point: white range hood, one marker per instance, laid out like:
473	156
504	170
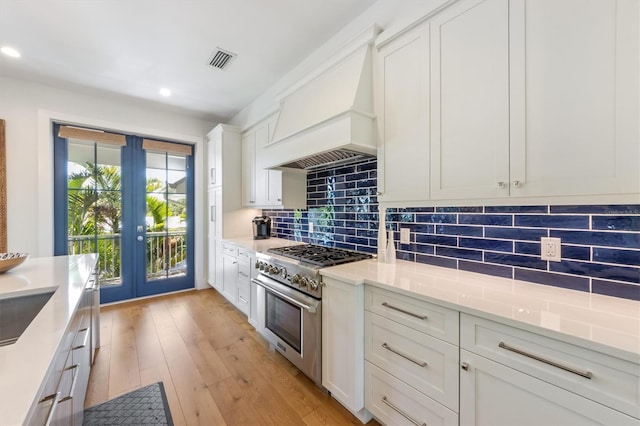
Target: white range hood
328	119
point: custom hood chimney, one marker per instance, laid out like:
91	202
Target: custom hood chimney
328	118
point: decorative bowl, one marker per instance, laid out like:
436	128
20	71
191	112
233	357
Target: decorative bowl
11	260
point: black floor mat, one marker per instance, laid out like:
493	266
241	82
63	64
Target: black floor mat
145	406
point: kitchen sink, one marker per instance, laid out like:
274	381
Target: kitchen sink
16	313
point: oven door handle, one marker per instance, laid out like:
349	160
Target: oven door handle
310	309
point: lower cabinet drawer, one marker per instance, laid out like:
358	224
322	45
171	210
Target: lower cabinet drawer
243	255
244	297
600	377
494	394
244	272
229	249
393	402
425	317
428	364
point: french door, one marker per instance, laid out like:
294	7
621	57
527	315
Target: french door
130	200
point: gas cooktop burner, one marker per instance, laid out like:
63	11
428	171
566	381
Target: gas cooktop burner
319	255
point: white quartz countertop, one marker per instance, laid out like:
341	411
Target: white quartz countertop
24	364
261	246
607	324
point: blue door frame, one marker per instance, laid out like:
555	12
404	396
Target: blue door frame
133	266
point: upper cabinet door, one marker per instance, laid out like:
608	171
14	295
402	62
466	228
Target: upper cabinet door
402	107
214	159
249	169
273	177
212	169
262	174
470	101
574	97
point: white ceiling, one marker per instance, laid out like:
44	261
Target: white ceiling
135	47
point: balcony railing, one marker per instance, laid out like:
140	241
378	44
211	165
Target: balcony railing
166	254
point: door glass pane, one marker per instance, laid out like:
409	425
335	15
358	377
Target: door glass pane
166	219
94	205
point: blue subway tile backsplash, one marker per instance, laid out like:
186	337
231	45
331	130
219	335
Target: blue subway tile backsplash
600	243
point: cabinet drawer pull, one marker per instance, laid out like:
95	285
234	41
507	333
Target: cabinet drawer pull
395	308
397	352
54	398
84	341
402	413
585	374
73	384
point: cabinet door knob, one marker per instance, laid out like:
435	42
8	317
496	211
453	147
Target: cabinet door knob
464	366
501	185
516	183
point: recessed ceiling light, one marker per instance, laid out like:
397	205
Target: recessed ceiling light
165	92
10	51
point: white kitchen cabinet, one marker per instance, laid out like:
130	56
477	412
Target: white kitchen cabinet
249	193
343	345
268	188
393	402
411	349
215	141
236	265
574	97
513	376
470	100
68	375
402	108
226	218
494	394
423	362
243	281
212	241
611	381
534	98
230	278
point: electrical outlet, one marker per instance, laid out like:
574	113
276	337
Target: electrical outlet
550	249
404	235
310	227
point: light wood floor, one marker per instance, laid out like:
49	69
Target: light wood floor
216	369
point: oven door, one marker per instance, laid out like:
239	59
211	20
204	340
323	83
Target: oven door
291	322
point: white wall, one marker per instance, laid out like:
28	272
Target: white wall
390	15
29	108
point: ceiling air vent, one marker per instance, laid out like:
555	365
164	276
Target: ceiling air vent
221	58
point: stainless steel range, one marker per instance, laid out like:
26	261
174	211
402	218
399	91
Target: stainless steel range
289	303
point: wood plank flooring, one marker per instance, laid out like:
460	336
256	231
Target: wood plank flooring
216	369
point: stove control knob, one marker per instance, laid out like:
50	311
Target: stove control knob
283	273
313	285
304	282
273	269
295	280
260	265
